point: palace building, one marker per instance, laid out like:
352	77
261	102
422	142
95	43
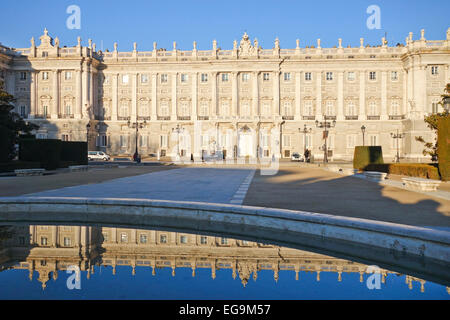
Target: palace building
247	102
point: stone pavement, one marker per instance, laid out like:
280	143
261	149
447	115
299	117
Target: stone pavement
183	184
316	190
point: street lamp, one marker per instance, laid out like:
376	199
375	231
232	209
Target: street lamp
178	130
446	104
305	131
136	125
363	130
325	125
88	128
397	136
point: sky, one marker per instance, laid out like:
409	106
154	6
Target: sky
146	21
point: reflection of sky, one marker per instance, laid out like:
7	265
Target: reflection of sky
103	284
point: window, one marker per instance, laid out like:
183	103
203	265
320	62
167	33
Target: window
203	240
44	110
308	76
164	109
329	110
45	75
67	242
23	110
372	75
245	109
183	239
329	76
394	108
143	139
434	70
44	241
394	76
373	108
125	79
123	111
68	109
434	107
204	77
204	108
351	76
68	75
223	241
164	78
351	108
44	54
351	141
266	76
224	77
286	140
245	77
123	141
287	108
287	76
23	76
184	109
143	238
144	78
308	141
373	140
266	109
65	137
184	77
163	141
308	108
123	237
102	140
225	109
163	238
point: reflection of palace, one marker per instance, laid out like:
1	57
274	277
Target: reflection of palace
49	249
243	102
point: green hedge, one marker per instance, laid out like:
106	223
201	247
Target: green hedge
364	156
444	148
75	152
13	165
5	144
419	170
45	151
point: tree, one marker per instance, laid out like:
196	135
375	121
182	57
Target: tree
11	126
432	123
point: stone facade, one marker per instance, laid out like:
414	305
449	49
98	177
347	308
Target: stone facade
245	102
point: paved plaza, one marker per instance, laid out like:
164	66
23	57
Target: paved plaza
293	187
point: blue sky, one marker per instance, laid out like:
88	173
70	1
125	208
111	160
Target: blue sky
145	21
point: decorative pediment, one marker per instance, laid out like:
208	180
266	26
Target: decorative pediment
46	40
246	48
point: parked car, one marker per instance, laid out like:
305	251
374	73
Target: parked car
297	157
98	155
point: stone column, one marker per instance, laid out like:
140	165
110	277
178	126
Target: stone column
234	94
85	98
174	98
276	92
33	89
362	95
298	103
318	95
54	236
154	96
214	94
255	107
91	90
194	96
55	106
134	110
340	96
384	111
405	91
115	102
79	97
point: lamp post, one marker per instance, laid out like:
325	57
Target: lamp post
136	125
325	125
305	131
363	130
397	136
178	130
88	128
446	103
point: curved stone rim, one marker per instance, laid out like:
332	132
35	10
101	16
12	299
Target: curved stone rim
414	240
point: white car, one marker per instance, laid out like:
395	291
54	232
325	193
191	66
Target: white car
297	157
98	155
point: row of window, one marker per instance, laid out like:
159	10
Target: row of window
163	238
45	75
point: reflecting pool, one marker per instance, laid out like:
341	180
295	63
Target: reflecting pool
95	262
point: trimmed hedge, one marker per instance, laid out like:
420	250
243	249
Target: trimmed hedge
45	151
419	170
364	156
75	152
14	165
443	150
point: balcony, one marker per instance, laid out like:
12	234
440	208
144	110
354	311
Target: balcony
163	118
42	116
146	118
351	117
202	117
288	117
65	116
373	117
329	117
121	118
184	118
309	117
397	117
